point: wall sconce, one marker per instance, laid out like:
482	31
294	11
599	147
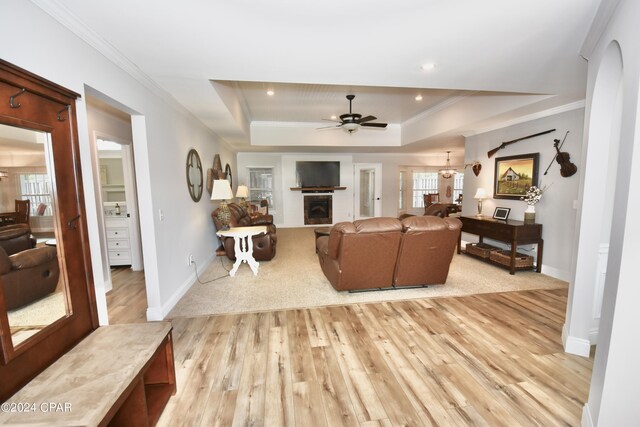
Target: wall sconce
222	191
480	195
4	174
242	193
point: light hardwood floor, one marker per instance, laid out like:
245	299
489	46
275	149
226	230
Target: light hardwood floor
127	300
491	359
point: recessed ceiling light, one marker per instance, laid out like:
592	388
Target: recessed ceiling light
418	97
334	117
428	67
270	92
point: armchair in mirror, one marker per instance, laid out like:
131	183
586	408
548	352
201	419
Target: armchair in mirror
47	300
33	281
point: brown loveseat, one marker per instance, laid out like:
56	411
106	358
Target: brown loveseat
28	275
386	252
264	244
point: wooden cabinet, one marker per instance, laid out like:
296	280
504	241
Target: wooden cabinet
118	242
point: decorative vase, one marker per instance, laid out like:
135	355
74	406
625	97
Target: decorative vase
530	215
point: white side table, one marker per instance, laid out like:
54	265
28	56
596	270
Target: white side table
243	246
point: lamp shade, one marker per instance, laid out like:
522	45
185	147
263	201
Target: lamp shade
242	191
221	190
480	194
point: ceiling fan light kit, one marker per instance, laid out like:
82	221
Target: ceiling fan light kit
351	122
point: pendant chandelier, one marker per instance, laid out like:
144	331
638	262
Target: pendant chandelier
447	171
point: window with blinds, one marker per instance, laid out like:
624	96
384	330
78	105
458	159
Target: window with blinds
423	183
261	185
36	188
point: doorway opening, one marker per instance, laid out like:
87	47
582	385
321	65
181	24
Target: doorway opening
367	183
124	286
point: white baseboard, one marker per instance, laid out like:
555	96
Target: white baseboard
587	419
556	273
159	313
575	345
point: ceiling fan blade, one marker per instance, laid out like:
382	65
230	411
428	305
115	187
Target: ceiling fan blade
374	125
330	127
367	119
332	120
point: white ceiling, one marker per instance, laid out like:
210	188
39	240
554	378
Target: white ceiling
497	61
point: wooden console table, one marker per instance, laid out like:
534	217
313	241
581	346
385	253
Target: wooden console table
118	375
511	231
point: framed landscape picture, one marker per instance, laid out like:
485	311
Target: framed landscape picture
514	175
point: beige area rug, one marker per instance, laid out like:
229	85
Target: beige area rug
41	312
294	279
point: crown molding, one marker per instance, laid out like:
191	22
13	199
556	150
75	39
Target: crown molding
598	26
439	107
67	19
530	117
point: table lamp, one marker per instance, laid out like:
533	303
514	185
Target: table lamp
242	193
222	191
480	195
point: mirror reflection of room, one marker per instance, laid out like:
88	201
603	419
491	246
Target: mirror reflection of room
33	283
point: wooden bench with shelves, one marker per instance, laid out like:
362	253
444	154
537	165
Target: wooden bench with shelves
118	375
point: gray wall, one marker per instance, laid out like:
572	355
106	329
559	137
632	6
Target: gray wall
556	211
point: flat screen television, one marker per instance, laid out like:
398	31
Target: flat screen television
318	174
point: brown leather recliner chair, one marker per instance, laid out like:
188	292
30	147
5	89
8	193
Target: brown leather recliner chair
426	250
435	209
361	254
16	238
264	244
28	275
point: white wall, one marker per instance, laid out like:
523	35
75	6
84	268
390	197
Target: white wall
165	134
289	210
614	71
555	211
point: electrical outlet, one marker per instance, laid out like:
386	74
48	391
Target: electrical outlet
190	259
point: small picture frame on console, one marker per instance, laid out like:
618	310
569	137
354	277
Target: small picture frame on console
501	214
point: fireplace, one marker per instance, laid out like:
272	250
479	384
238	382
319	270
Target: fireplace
318	210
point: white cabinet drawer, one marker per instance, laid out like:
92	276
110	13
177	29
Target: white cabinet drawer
118	244
117	233
116	223
119	257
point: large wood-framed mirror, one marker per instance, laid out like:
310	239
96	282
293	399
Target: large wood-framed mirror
47	302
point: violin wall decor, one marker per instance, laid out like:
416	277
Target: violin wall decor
567	168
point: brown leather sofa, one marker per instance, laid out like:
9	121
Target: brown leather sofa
28	275
381	253
264	244
16	238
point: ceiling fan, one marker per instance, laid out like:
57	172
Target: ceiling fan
351	122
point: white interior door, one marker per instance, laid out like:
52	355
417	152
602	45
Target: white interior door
367	179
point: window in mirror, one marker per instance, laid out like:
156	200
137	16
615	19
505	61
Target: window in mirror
33	279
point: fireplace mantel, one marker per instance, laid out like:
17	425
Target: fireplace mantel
316	188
